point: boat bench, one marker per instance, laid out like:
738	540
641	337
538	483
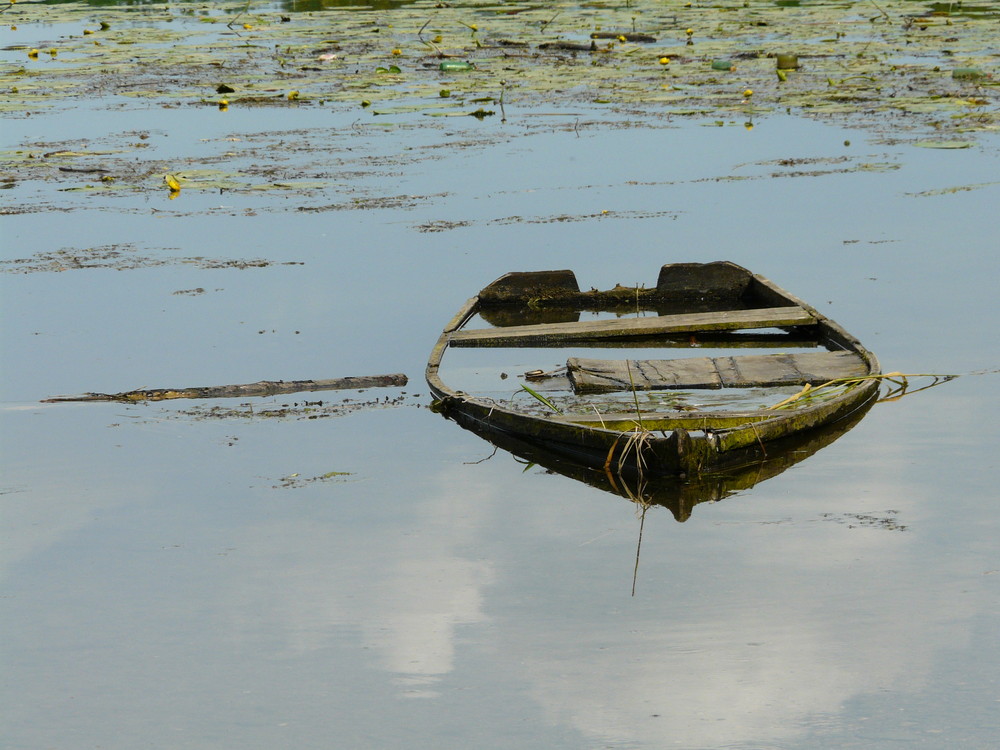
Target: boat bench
630	327
760	370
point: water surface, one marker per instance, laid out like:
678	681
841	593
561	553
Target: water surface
174	580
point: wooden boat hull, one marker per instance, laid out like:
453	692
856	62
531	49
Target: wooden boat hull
740	471
690	299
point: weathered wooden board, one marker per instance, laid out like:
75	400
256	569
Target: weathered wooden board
760	370
616	328
799	339
243	390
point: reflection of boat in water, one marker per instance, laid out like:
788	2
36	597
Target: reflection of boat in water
684	417
679	495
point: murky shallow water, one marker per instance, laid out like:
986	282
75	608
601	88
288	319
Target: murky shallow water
173	580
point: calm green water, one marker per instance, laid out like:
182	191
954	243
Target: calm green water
171	580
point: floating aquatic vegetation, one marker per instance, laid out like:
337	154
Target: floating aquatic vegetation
118	171
295	481
919	76
944	144
833	60
919	79
950	190
442	226
119	258
291	411
885	520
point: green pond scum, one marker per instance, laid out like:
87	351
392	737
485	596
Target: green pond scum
910	71
901	65
121	257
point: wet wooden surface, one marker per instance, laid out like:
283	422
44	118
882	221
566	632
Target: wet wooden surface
260	388
761	370
613	328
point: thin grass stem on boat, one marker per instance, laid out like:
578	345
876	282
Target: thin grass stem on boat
635	396
636	443
897	392
540	398
830	388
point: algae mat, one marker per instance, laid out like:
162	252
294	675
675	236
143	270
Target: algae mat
902	67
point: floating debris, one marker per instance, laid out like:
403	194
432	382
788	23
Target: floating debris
550	57
260	388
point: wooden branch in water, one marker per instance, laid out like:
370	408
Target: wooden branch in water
261	388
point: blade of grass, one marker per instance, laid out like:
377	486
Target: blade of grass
540	398
635	396
899	379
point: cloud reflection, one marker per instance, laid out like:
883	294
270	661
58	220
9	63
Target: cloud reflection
755	622
755	630
401	591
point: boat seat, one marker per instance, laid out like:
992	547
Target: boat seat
632	327
759	370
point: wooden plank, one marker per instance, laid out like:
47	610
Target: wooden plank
616	328
789	369
710	340
760	370
606	375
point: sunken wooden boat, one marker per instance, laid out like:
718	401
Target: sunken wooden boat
677	494
746	350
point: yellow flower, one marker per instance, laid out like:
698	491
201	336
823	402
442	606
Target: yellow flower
689	32
293	95
33	54
664	60
172	183
748	93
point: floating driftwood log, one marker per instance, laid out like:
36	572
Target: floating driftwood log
260	388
